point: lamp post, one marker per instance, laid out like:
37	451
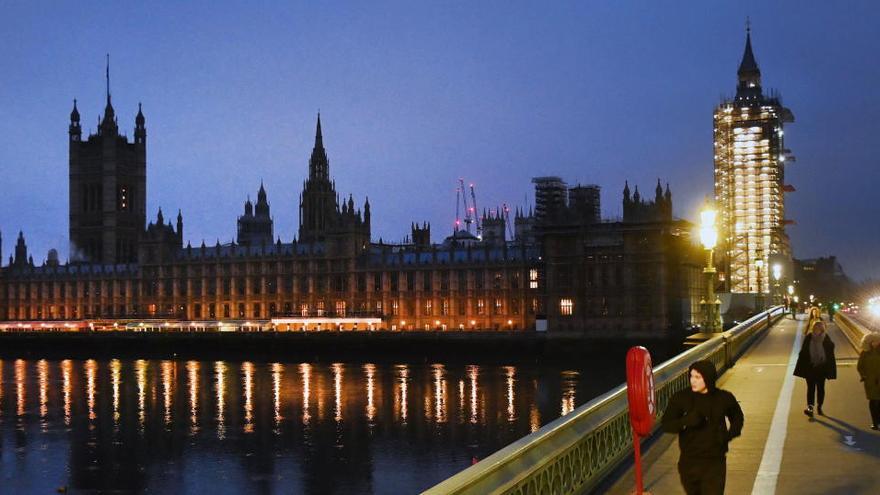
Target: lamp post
709	237
791	300
777	274
759	294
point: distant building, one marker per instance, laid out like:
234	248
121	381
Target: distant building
638	276
750	158
822	277
551	198
563	265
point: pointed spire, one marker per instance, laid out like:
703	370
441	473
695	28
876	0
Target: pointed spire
108	124
74	115
319	139
108	79
748	75
318	164
139	119
748	63
160	219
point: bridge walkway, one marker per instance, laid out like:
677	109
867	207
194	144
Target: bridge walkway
782	451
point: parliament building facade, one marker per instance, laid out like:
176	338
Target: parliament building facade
565	269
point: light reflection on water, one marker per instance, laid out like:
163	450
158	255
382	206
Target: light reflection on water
248	426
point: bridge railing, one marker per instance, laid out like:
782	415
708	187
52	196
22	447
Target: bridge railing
576	452
854	329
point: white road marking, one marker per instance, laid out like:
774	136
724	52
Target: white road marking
768	472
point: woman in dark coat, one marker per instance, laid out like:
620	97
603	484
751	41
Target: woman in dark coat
869	371
816	364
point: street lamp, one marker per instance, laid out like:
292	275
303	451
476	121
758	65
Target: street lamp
759	295
709	237
777	274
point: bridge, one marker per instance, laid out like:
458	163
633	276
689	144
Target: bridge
781	451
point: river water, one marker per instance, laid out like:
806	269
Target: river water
176	426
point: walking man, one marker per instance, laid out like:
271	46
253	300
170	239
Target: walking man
705	418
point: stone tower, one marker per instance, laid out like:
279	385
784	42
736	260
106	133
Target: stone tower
108	189
750	158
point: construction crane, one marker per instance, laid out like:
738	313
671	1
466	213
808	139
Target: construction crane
470	208
506	210
474	207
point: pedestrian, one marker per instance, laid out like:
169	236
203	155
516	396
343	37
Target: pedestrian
869	371
816	364
705	418
813	315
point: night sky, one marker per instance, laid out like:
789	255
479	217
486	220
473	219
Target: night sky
412	97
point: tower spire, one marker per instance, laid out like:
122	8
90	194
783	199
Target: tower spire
319	139
108	124
748	74
318	163
108	79
748	63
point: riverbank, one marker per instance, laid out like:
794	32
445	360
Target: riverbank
318	346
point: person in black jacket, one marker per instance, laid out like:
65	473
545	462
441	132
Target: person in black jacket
816	364
705	418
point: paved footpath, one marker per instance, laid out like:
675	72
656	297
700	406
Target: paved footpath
782	451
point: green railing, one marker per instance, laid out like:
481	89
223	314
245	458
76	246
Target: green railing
854	330
576	452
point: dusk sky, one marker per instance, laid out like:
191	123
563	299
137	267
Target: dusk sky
413	96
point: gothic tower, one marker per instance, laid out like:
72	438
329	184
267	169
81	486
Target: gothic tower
318	202
750	158
108	189
255	227
321	215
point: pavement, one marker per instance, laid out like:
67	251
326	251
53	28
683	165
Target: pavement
781	450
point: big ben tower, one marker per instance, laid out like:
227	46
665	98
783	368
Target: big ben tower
750	158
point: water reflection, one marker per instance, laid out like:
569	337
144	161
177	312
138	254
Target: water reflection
192	368
43	373
220	372
115	379
247	371
91	373
20	389
401	396
370	372
277	369
473	373
511	411
337	392
439	393
269	425
65	376
569	391
167	392
305	371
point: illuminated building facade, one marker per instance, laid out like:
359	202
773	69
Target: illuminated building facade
334	277
750	158
638	275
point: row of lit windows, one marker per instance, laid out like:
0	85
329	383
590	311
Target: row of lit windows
463	307
258	285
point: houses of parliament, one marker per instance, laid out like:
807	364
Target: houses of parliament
565	269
